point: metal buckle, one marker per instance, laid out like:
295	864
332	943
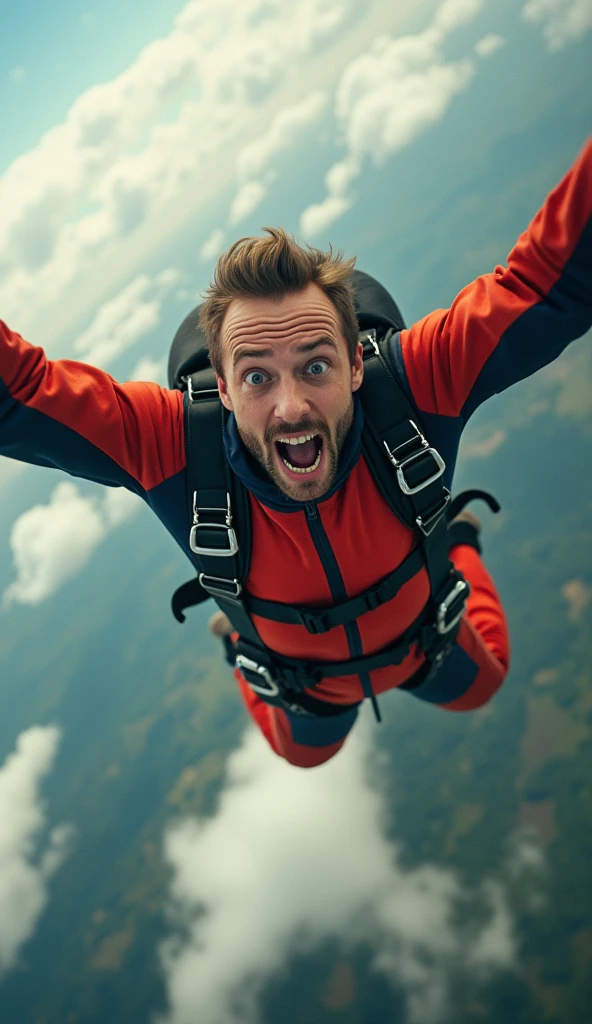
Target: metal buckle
400	464
428	525
247	665
369	343
194	396
213	589
227	526
442	624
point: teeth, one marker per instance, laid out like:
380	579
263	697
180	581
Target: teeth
296	440
308	469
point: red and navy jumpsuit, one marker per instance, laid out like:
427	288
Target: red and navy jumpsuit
499	329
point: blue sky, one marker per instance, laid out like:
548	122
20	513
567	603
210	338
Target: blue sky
50	53
140	139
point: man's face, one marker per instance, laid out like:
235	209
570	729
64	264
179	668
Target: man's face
288	379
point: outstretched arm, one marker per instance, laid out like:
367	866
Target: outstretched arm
505	325
75	417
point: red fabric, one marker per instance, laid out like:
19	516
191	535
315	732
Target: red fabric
138	425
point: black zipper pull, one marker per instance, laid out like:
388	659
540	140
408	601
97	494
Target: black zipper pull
311	511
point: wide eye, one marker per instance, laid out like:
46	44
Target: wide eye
255	378
317	368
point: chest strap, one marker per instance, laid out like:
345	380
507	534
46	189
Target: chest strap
321	620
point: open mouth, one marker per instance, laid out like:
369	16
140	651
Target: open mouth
301	454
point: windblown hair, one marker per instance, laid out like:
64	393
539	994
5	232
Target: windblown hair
270	267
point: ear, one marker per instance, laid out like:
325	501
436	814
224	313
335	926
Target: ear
224	396
357	370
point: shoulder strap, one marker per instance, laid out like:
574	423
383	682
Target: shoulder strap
220	536
407	470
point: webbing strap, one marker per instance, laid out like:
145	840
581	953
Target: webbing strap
220	533
297	675
320	620
407	470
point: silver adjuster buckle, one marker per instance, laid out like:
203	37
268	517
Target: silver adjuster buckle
226	527
428	525
247	665
231	588
400	464
459	593
194	396
369	342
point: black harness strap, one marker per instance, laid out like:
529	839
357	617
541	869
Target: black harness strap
321	620
221	523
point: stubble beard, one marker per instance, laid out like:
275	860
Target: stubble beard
333	441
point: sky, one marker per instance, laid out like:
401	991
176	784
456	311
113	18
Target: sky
138	140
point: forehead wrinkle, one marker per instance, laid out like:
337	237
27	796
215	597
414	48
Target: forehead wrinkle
312	311
285	326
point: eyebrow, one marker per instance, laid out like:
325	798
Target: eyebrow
267	353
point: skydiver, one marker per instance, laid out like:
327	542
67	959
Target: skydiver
285	346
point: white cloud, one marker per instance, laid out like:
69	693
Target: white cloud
319	216
106	173
254	164
212	247
256	157
562	21
483	447
123	320
489	44
52	543
151	369
247	199
286	863
386	98
25	869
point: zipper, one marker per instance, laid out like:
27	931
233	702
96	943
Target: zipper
338	592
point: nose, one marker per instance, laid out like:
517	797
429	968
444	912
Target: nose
291	403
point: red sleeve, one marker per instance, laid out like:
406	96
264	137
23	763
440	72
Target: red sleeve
507	324
78	418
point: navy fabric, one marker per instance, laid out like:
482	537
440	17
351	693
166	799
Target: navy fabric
321	731
452	680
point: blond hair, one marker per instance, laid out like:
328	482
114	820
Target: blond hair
270	267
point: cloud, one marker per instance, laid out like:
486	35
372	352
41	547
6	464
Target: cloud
578	596
562	21
286	125
105	173
319	216
386	98
123	320
247	199
286	863
151	369
483	448
52	543
25	868
489	44
255	161
212	247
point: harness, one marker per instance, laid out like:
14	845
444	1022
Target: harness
408	472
